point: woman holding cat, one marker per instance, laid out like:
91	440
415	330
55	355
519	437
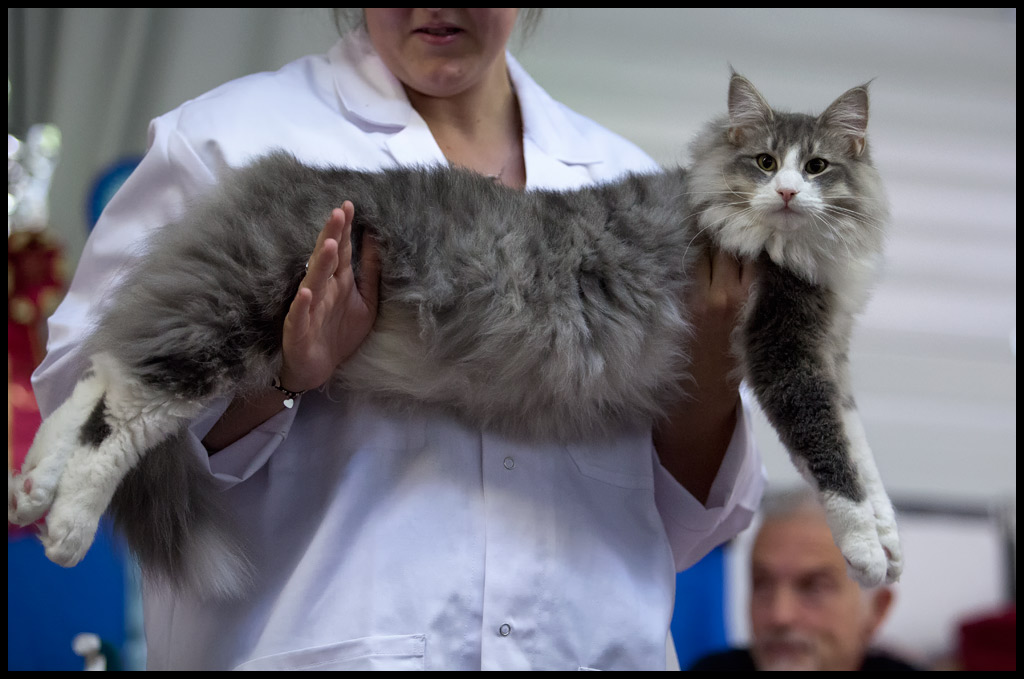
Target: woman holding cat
407	540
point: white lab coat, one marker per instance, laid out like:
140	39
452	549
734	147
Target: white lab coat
404	542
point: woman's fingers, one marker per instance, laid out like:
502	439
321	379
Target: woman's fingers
722	282
330	315
345	214
323	263
369	271
332	255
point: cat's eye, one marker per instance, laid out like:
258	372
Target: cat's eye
766	162
816	165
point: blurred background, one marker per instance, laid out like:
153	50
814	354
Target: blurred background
934	357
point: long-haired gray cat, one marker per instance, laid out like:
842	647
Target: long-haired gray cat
539	314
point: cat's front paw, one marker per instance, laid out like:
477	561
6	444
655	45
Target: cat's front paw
869	542
888	537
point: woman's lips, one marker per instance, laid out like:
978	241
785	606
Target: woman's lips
441	34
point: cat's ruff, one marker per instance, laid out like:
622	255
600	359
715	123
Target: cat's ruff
542	315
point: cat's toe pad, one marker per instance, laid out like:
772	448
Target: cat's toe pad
889	539
869	542
28	499
866	562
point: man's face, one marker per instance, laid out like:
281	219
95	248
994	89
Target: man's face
806	613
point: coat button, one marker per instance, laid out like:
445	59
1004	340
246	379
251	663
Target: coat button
505	630
509	463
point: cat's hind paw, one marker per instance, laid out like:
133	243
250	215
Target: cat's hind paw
27	500
67	534
32	491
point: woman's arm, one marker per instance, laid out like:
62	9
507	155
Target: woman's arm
692	440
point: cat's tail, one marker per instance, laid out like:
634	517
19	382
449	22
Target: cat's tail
170	513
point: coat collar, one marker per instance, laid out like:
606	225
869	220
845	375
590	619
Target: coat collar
369	93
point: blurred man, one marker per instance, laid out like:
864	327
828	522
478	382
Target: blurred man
805	611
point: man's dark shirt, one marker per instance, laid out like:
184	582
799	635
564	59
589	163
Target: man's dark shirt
741	660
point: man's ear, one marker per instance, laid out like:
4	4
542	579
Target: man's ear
879	602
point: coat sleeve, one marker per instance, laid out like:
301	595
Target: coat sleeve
694	529
169	177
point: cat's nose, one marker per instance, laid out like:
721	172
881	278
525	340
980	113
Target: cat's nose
787	194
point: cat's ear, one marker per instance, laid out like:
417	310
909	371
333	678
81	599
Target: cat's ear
849	115
747	108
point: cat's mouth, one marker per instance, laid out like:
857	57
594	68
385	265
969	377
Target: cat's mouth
788	219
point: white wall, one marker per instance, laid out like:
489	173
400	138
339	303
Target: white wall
934	358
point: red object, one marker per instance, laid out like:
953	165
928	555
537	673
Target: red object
35	285
989	642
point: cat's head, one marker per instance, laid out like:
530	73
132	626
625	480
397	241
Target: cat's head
799	187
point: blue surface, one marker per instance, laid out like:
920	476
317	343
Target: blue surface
106	185
48	605
698	623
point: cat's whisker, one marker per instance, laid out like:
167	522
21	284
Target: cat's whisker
856	213
705	209
729	216
727	185
859	198
695	236
862	218
834	234
705	192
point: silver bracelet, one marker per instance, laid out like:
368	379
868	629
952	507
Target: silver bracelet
291	395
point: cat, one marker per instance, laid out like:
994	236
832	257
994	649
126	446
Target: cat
538	314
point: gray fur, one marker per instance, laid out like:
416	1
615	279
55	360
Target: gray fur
786	338
168	509
539	314
562	297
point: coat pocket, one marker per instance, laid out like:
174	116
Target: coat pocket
624	461
399	652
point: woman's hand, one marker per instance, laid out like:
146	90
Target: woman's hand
721	290
332	312
693	439
331	315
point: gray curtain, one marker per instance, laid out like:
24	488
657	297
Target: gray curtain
101	74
